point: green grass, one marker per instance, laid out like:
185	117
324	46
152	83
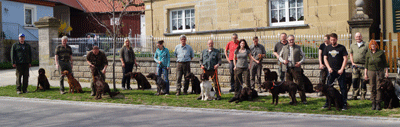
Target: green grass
146	97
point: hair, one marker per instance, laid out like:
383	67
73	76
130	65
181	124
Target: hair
245	45
333	35
284	34
64	38
234	34
291	36
182	36
373	42
328	36
160	42
96	47
255	37
126	39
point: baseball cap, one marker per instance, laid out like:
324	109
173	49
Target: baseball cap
21	35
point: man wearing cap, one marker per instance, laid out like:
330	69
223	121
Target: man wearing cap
98	59
21	58
63	60
184	54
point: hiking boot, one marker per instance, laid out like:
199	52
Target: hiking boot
62	92
18	92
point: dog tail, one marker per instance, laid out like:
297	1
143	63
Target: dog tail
112	94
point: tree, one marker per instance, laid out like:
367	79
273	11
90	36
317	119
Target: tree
113	7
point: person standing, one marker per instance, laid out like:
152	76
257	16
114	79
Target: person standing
184	54
98	59
357	58
277	50
335	57
162	59
63	60
127	57
242	53
210	60
292	56
21	58
375	65
231	47
322	66
258	52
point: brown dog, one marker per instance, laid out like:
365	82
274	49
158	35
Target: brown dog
388	93
247	94
270	76
159	81
100	85
73	83
281	87
142	82
333	96
43	82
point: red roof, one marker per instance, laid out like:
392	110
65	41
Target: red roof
100	6
72	3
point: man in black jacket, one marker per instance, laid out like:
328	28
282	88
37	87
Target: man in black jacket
21	58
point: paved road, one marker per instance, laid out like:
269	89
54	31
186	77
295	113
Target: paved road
42	112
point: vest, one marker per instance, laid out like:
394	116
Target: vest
210	59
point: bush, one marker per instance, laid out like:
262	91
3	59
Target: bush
8	65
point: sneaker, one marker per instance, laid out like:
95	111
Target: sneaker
231	90
325	106
344	108
166	94
18	92
62	92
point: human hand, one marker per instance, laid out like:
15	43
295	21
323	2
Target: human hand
340	72
216	67
14	65
104	71
330	70
298	64
202	67
321	66
159	62
286	62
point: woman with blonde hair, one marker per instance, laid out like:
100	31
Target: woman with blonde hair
127	57
375	65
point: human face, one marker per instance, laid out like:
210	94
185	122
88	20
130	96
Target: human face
358	37
21	40
64	42
283	37
242	44
234	38
373	47
333	41
255	41
127	43
326	40
291	41
210	44
95	51
183	41
160	46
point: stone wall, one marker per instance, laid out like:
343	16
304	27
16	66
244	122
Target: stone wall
147	65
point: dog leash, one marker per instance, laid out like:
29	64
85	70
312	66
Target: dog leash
216	78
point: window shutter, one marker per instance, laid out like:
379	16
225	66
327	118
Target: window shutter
396	15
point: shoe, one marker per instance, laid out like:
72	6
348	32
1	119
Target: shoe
92	93
354	98
378	106
373	106
231	90
325	106
290	103
123	88
166	94
344	108
156	94
304	102
129	88
199	98
62	92
25	91
259	90
18	92
178	92
218	98
185	93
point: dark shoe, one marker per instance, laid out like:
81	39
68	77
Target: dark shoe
232	99
378	106
129	88
231	90
291	103
344	108
353	98
199	98
218	98
304	102
185	93
325	106
373	106
92	93
25	91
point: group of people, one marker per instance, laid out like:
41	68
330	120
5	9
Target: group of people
368	63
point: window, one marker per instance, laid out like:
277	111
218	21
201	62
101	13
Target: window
30	15
182	20
286	12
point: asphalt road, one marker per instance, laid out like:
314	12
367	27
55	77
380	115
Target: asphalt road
43	112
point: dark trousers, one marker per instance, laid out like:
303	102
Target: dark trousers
256	75
231	66
239	73
281	72
164	71
295	73
183	68
214	76
376	94
22	71
322	75
126	79
342	84
62	67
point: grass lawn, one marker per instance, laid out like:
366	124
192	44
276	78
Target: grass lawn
146	97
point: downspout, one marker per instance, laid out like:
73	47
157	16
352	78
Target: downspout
383	18
151	8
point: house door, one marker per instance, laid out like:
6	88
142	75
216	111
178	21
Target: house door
143	30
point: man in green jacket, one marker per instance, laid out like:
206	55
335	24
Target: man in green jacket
357	57
210	60
21	58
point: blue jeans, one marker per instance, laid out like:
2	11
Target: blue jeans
163	70
342	84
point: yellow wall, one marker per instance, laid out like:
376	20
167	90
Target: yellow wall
388	19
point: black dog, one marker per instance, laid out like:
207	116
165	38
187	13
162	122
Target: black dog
161	83
142	82
281	87
195	83
43	83
333	96
388	94
247	94
308	86
270	76
349	80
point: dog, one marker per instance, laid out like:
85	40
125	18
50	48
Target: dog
388	93
281	87
308	86
74	85
206	93
348	80
161	83
270	76
100	85
43	82
332	95
247	94
142	82
195	83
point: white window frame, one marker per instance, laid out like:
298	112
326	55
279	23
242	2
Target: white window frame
287	22
183	20
33	16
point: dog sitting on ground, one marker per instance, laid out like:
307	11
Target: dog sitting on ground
281	87
348	80
247	94
270	76
74	85
43	82
100	85
333	96
161	83
308	86
142	82
206	93
388	93
195	83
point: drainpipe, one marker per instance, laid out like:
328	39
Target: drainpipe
383	19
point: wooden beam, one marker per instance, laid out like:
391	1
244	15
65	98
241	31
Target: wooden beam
37	2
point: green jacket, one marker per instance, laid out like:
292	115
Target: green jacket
375	61
21	53
210	59
358	52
